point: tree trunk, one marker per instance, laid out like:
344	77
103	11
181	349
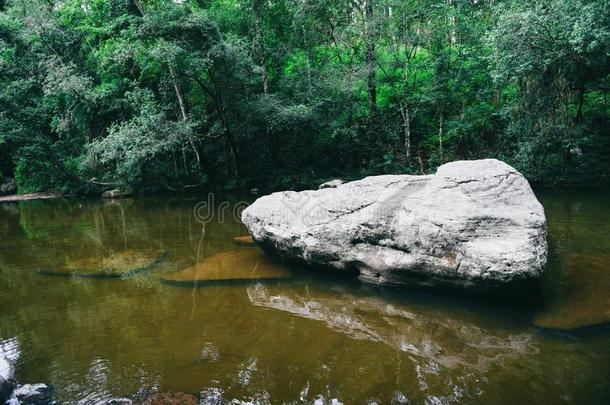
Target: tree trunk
260	50
308	58
139	7
232	144
234	155
259	44
581	102
441	120
406	111
407	130
204	165
179	96
371	70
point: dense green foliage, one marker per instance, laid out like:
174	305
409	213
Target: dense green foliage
161	94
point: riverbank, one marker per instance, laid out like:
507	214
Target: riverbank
30	196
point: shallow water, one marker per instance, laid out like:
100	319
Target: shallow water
294	338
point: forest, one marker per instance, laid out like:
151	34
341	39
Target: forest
162	95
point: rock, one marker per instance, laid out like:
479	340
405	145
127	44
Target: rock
31	394
232	266
120	401
400	399
473	224
244	241
9	353
124	264
575	293
8	186
211	396
117	193
331	184
6	387
171	398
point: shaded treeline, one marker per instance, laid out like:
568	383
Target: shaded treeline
174	95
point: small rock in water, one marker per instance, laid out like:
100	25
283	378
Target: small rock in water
432	400
211	396
117	193
576	293
120	401
244	240
171	398
31	394
474	224
9	353
331	184
400	399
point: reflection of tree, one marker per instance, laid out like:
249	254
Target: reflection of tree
72	327
62	231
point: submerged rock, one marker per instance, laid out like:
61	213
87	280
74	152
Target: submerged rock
117	265
244	240
576	293
473	224
230	266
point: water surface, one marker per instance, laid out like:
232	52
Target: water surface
295	338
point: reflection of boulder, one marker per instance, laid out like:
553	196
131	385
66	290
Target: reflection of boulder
577	293
237	265
117	265
424	333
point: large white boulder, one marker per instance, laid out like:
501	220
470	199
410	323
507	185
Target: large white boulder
473	223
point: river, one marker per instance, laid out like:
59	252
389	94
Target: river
124	298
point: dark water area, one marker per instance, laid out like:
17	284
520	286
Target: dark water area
106	299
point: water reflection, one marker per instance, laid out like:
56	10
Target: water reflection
303	338
430	335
